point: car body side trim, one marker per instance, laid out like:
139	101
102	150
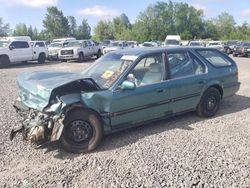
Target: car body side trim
119	113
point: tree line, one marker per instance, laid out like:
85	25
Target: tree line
153	23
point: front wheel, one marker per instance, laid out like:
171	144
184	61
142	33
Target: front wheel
41	58
82	131
81	57
99	54
4	61
209	103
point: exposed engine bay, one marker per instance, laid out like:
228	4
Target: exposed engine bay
39	127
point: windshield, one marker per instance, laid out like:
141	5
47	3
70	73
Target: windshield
107	70
146	44
115	44
246	44
214	44
195	44
4	44
72	44
57	45
232	43
172	42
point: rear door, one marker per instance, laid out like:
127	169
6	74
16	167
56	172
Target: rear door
187	79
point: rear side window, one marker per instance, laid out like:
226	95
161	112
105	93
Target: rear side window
214	57
180	65
19	44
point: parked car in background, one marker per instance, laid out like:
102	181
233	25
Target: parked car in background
115	45
195	43
242	49
54	48
132	44
216	44
41	45
17	50
149	44
67	39
229	46
122	89
173	40
78	50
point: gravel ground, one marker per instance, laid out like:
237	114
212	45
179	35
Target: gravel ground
184	151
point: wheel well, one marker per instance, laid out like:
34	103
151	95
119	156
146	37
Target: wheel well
4	55
80	106
80	53
42	53
219	88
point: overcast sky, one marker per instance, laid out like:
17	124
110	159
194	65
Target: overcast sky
32	12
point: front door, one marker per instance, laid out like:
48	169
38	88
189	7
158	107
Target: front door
149	100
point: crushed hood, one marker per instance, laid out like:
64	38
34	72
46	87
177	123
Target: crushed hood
35	88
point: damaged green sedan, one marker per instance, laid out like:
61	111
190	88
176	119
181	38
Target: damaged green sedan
120	90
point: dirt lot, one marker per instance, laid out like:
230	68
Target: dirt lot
184	151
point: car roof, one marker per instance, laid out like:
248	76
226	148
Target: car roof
144	51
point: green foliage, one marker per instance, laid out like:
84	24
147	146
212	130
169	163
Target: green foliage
225	24
4	28
72	25
83	31
154	23
103	30
21	30
56	24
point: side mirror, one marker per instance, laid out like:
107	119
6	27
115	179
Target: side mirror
127	85
11	47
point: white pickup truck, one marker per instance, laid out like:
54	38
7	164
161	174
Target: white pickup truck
18	50
78	50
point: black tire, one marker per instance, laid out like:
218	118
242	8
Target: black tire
99	54
235	55
4	61
209	103
82	131
81	57
41	58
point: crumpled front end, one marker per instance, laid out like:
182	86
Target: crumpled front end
37	127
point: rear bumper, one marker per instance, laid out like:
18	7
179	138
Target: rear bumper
231	89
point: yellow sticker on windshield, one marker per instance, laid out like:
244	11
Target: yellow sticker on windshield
107	74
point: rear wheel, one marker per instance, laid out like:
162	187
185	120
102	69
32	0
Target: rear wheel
81	57
99	54
82	131
209	103
41	58
4	61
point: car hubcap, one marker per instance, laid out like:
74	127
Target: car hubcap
81	131
211	103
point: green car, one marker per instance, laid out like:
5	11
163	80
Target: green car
122	89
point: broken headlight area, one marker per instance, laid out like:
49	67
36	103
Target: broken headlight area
36	126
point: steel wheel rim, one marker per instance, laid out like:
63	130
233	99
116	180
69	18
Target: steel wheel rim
80	131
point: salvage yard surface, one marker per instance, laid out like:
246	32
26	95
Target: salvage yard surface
183	151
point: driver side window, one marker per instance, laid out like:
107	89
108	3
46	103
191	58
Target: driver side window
148	71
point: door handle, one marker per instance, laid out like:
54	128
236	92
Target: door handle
160	90
201	82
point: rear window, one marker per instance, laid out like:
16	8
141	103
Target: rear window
214	57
